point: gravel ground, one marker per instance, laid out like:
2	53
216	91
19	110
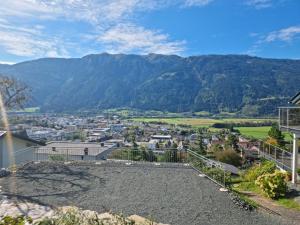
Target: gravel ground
171	194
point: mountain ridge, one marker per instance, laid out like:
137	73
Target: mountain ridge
215	83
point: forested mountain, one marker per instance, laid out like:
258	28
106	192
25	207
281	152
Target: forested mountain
214	83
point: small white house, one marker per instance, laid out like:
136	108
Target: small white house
20	151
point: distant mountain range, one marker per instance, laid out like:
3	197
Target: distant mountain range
215	83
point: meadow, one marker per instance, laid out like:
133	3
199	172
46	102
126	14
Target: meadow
200	122
260	132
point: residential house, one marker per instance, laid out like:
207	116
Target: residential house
289	120
20	151
74	151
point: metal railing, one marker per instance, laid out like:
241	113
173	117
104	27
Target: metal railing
214	170
210	168
281	157
22	156
289	118
71	153
158	155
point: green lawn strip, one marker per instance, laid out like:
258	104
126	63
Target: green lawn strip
288	203
244	186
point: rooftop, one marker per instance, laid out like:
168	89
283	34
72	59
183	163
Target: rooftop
73	148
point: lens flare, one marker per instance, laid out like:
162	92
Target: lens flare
9	144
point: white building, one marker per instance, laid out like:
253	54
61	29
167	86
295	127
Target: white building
20	151
289	120
74	151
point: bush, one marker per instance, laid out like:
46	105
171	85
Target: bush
57	158
19	220
74	216
266	167
229	157
217	174
273	185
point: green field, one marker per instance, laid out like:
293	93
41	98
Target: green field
28	110
181	121
260	132
199	122
32	109
256	132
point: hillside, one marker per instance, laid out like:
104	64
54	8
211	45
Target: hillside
215	83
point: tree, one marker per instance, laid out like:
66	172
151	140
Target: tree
201	148
229	157
156	145
14	93
275	135
232	141
174	145
216	148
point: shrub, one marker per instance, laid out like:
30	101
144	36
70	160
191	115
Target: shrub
217	174
74	216
273	185
56	158
229	157
257	170
19	220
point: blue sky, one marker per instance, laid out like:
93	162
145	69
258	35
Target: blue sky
31	29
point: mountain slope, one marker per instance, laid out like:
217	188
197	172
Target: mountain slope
215	83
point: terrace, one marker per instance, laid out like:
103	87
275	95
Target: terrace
289	119
169	193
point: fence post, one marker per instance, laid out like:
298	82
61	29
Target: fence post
224	177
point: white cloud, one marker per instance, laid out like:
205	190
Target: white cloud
131	38
7	62
29	42
91	11
260	4
286	34
113	21
197	2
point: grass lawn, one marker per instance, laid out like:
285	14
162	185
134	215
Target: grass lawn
256	132
259	132
289	203
240	186
32	109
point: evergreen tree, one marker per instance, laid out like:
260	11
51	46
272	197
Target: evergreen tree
276	134
232	141
201	149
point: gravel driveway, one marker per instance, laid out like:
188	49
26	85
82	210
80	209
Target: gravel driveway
171	194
